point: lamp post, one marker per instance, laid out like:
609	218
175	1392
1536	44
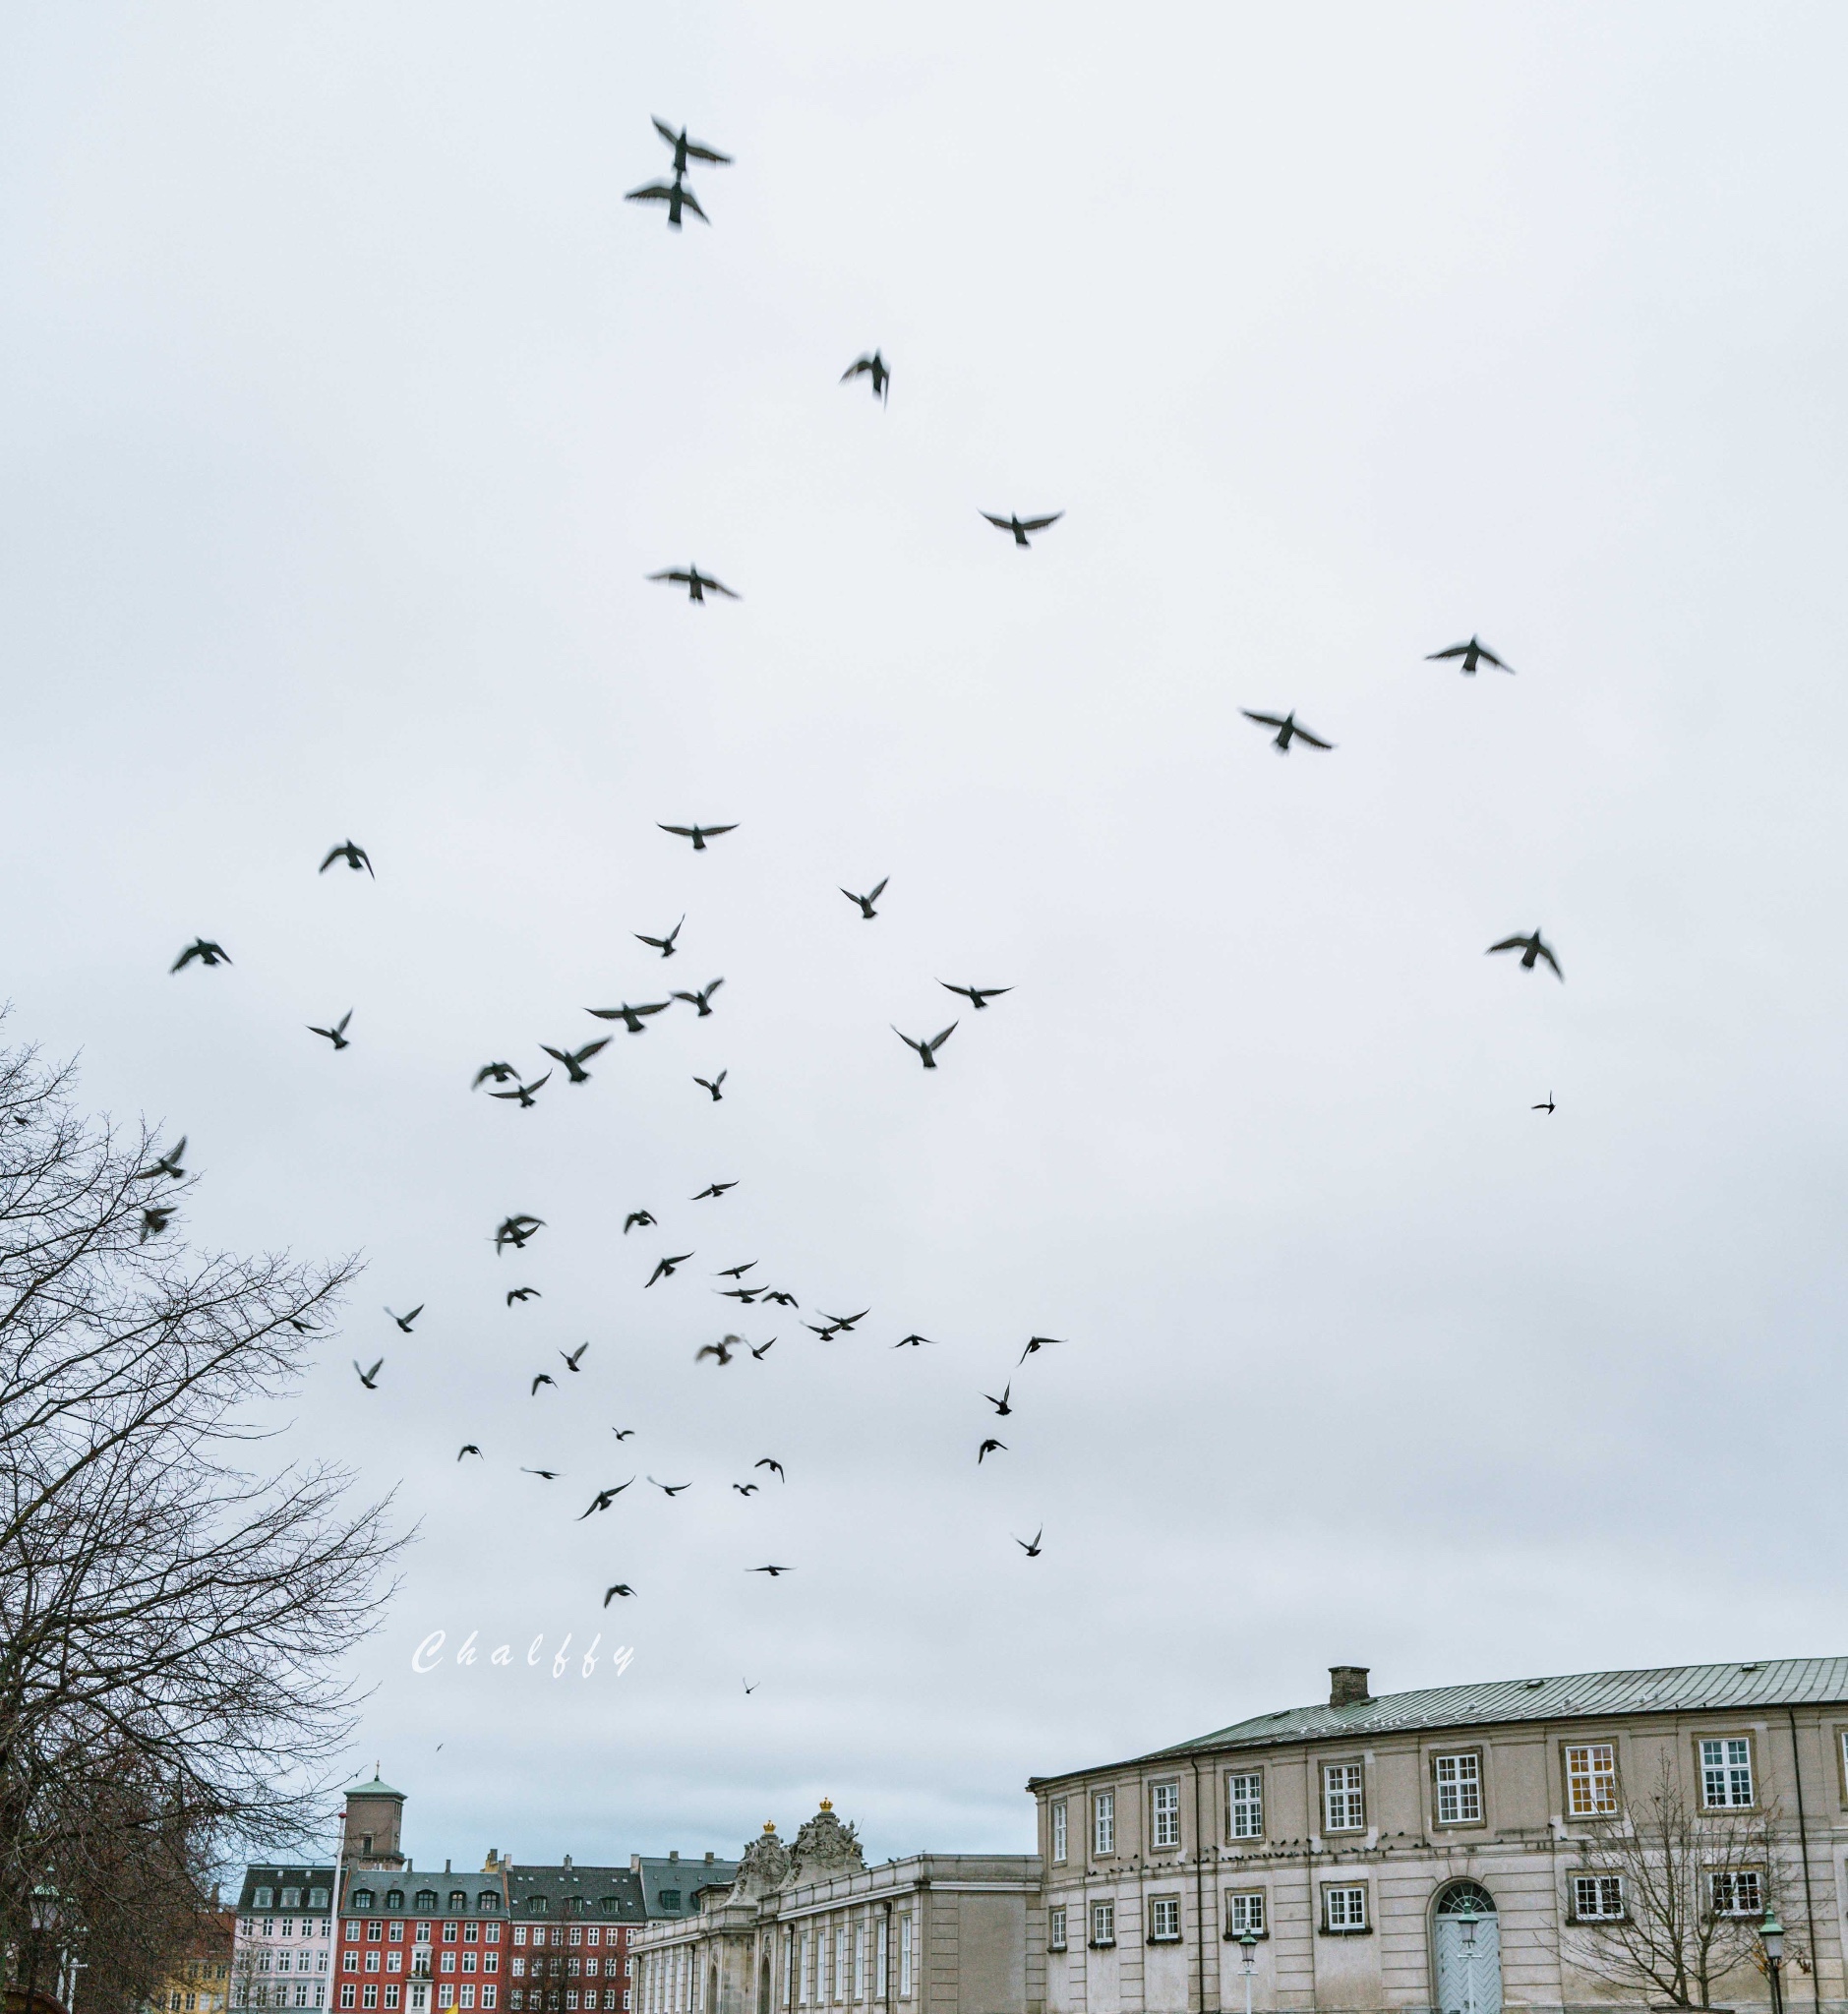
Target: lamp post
1248	1947
1771	1940
1466	1919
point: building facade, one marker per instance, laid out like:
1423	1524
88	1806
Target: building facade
570	1938
1465	1849
282	1945
810	1928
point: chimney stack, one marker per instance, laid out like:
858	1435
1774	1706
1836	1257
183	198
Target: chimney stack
1347	1684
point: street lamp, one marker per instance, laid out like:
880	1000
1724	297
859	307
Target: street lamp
1248	1946
1771	1940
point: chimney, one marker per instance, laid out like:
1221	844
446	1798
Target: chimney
445	1865
567	1864
673	1852
1347	1684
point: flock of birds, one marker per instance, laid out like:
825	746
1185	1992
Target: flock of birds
509	1083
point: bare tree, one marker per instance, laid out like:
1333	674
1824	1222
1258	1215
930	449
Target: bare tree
174	1619
1694	1887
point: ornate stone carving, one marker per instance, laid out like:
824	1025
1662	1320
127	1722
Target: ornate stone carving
824	1847
762	1866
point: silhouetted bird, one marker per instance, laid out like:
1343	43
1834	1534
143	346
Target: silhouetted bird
370	1379
1530	948
699	834
776	1297
354	856
701	1001
846	1322
1288	729
1473	652
1036	1343
695	583
622	1588
603	1500
571	1358
873	366
675	194
514	1232
573	1059
1000	1405
775	1467
686	149
747	1489
1547	1108
624	1433
713	1084
523	1294
631	1017
500	1072
721	1349
544	1377
912	1341
469	1448
664	1268
1021	526
546	1475
671	1489
827	1330
663	945
977	996
734	1272
527	1094
404	1321
927	1052
712	1189
773	1571
1032	1551
202	949
167	1165
760	1351
337	1034
155	1218
636	1216
866	902
989	1447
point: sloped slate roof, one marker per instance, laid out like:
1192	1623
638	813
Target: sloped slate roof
1585	1695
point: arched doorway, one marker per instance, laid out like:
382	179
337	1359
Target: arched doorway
1466	1943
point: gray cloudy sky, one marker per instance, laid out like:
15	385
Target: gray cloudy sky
346	407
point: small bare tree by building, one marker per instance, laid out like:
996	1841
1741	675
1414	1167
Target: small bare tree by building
173	1616
1668	1902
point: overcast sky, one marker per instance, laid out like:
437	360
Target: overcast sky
344	406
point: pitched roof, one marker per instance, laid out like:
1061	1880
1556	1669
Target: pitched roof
274	1875
685	1879
1585	1696
592	1888
374	1789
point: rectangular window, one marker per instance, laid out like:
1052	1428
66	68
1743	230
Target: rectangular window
904	1958
449	1961
1739	1892
840	1963
1103	1821
448	1933
471	1934
593	1935
423	1933
393	1995
1459	1782
349	1961
488	1996
1164	1920
1344	1907
1344	1804
354	1931
1245	1807
860	1960
395	1961
807	1963
1059	1824
1164	1815
1597	1898
397	1933
468	1961
519	1933
1245	1912
348	1996
370	1998
1055	1930
1726	1772
1102	1924
882	1961
1590	1779
490	1962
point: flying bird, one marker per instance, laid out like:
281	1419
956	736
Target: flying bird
1021	526
635	1216
500	1072
1473	652
675	194
523	1294
1036	1343
762	1350
686	149
912	1341
773	1571
1000	1405
1032	1551
355	857
337	1034
663	945
629	1015
844	1322
620	1588
775	1469
695	584
155	1218
370	1379
1547	1108
927	1052
603	1500
866	902
1288	728
977	996
202	949
544	1377
776	1297
713	1084
747	1489
664	1268
721	1349
404	1321
701	1001
734	1272
749	1687
875	368
514	1232
527	1094
989	1447
712	1189
572	1059
747	1294
168	1165
699	834
571	1361
828	1331
1530	948
624	1433
549	1475
469	1448
672	1489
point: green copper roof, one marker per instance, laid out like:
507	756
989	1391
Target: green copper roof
374	1789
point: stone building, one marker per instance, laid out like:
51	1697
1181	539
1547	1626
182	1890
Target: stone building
284	1943
808	1927
1464	1849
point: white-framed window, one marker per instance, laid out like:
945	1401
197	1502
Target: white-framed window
880	1957
1055	1927
1459	1784
1590	1779
859	1958
1738	1891
1244	1805
1597	1898
1164	1815
1164	1920
1102	1924
1058	1828
1344	1906
1244	1911
1343	1802
840	1962
1726	1772
1104	1822
904	1957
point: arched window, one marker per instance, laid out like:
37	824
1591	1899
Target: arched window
486	1902
607	1905
426	1898
362	1898
458	1901
395	1898
537	1904
1465	1895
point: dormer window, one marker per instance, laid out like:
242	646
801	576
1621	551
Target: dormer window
291	1898
669	1898
265	1898
317	1898
458	1901
538	1905
486	1902
362	1898
426	1898
395	1898
608	1905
